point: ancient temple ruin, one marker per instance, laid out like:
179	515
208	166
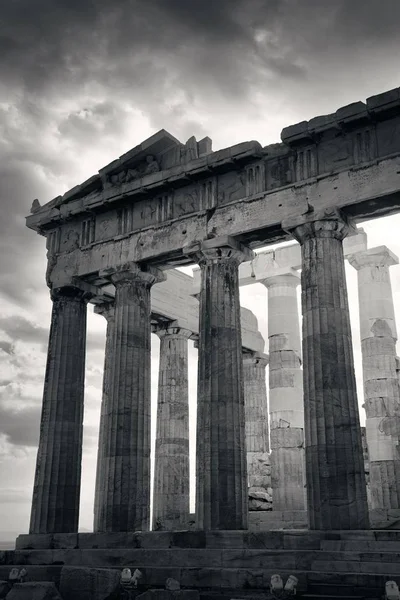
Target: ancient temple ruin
115	241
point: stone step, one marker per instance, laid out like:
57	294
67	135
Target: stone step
359	580
367	556
282	539
360	546
340	590
371	534
332	597
201	558
174	558
350	566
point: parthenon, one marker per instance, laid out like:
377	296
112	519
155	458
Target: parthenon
116	241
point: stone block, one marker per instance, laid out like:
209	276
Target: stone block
352	112
304	540
65	540
287	437
386	102
34	590
188	539
295	133
156	576
108	540
81	583
34	541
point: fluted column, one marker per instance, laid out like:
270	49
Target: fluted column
107	309
56	492
221	491
256	419
125	503
286	393
381	386
335	475
171	468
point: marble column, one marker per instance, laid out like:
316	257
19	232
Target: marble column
336	491
286	393
381	386
221	474
171	468
256	420
107	310
56	491
125	502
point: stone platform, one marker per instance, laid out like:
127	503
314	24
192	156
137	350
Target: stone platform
223	561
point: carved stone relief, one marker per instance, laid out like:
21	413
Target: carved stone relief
150	165
231	187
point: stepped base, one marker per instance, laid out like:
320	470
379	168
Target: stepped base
220	561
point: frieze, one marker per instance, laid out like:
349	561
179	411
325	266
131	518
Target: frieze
355	135
150	165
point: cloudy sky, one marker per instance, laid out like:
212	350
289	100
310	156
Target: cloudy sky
82	82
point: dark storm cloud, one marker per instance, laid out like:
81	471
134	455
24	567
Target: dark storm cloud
159	57
75	40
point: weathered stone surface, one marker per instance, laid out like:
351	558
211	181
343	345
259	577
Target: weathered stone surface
335	476
221	490
4	588
81	583
171	469
108	311
56	491
34	590
285	392
124	503
256	405
381	385
256	420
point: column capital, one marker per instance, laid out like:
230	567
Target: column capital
171	329
287	276
380	256
70	292
105	309
218	249
326	223
257	359
131	272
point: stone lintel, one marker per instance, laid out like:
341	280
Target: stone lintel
379	256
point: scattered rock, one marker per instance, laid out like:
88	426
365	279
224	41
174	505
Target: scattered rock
172	584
